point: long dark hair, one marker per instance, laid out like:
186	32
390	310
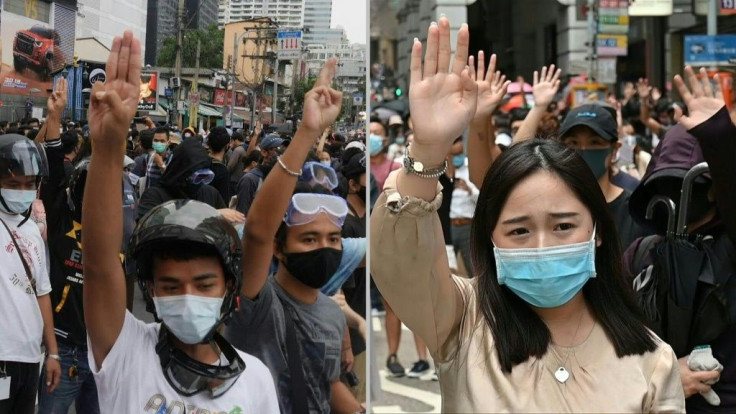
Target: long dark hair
519	333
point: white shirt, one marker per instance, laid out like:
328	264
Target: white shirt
131	380
21	324
463	202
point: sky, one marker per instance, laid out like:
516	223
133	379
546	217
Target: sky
345	14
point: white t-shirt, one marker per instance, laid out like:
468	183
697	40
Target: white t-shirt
131	380
21	324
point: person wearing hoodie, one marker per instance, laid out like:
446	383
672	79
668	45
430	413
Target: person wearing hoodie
707	134
187	177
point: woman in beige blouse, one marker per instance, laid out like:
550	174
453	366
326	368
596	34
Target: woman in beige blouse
547	324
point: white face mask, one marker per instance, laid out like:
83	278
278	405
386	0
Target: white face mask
189	317
17	201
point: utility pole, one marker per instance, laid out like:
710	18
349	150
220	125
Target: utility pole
194	107
712	17
275	92
592	41
179	45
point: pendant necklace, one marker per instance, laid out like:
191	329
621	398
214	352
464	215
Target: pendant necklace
562	374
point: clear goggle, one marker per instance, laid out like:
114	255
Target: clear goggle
188	376
306	207
203	176
317	173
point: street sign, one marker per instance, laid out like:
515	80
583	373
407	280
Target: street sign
607	70
613	16
726	7
612	45
289	45
710	50
651	8
169	93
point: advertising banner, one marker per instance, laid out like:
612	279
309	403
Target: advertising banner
31	48
710	50
148	99
651	8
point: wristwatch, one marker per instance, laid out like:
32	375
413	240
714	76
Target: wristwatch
417	168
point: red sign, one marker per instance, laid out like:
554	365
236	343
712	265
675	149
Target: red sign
728	7
219	98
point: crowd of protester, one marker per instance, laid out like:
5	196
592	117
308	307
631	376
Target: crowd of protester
247	246
556	255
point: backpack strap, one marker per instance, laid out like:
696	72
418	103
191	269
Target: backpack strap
27	268
299	404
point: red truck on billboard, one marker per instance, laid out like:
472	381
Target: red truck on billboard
34	49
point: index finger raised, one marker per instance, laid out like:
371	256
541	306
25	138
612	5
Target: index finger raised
327	73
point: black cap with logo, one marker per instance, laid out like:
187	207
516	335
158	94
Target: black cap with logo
594	116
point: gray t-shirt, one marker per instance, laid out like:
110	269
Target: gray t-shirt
259	329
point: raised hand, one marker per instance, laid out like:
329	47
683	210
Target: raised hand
57	100
322	103
442	99
702	102
113	104
492	85
546	86
643	89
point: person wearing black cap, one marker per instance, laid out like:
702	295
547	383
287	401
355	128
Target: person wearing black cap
591	129
271	147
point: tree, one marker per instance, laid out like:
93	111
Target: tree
211	44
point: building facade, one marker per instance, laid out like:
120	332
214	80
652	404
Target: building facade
160	24
201	13
287	13
105	19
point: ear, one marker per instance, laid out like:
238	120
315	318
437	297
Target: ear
277	252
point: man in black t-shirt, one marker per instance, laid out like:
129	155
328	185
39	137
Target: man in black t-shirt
592	131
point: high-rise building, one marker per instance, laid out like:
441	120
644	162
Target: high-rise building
286	13
161	23
201	13
105	19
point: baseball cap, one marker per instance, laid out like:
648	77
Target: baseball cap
271	141
595	117
395	120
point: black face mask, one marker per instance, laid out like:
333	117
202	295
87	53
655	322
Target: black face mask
315	267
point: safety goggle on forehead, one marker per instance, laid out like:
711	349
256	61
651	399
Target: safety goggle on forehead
306	207
203	176
188	376
316	173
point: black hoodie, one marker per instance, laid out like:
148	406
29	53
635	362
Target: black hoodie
188	157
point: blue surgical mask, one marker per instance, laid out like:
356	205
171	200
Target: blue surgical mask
189	317
596	160
17	201
376	144
159	147
326	163
400	140
458	160
547	277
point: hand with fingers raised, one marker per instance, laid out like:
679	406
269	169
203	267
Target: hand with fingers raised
643	89
113	104
57	100
546	85
322	103
701	100
492	85
442	98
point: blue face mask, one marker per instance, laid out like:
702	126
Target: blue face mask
596	160
376	144
400	140
547	277
18	201
458	160
159	147
189	317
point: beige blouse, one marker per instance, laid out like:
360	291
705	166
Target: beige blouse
409	265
